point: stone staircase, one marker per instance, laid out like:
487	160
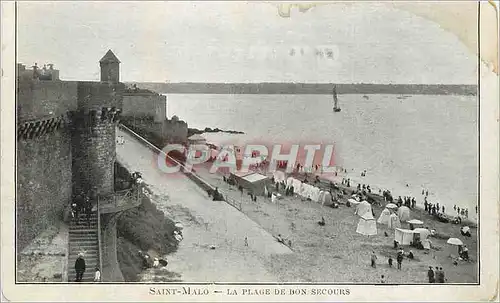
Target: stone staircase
83	238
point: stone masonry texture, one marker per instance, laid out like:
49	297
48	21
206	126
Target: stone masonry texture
43	183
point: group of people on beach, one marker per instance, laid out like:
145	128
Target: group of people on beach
463	212
436	276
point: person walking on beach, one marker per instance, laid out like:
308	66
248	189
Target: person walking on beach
430	275
246	242
399	259
442	278
79	267
426	193
439	275
382	279
374	259
390	262
436	274
443	209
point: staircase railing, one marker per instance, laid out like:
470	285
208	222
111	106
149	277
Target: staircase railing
99	236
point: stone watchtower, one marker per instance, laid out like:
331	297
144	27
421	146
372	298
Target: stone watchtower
110	68
94	144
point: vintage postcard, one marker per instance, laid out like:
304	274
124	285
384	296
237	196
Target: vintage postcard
249	151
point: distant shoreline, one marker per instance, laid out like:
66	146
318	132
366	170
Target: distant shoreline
307	88
195	131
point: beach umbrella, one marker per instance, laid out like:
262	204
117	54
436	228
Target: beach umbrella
455	241
391	205
465	229
415	221
179	225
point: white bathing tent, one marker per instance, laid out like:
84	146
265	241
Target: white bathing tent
363	208
424	237
326	199
404	213
404	236
279	176
367	225
305	190
395	223
385	217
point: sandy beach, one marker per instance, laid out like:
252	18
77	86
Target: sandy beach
332	253
336	253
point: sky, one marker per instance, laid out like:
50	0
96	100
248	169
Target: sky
242	42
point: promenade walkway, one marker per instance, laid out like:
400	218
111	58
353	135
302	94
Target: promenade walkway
206	223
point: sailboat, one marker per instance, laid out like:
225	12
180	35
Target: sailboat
336	107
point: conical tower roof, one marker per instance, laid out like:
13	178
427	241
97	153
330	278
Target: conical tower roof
109	58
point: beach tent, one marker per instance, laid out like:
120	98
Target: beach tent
279	176
424	237
363	208
315	192
367	225
404	236
385	217
327	199
321	196
395	223
253	182
297	184
404	213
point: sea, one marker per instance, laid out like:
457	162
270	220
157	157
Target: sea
405	143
